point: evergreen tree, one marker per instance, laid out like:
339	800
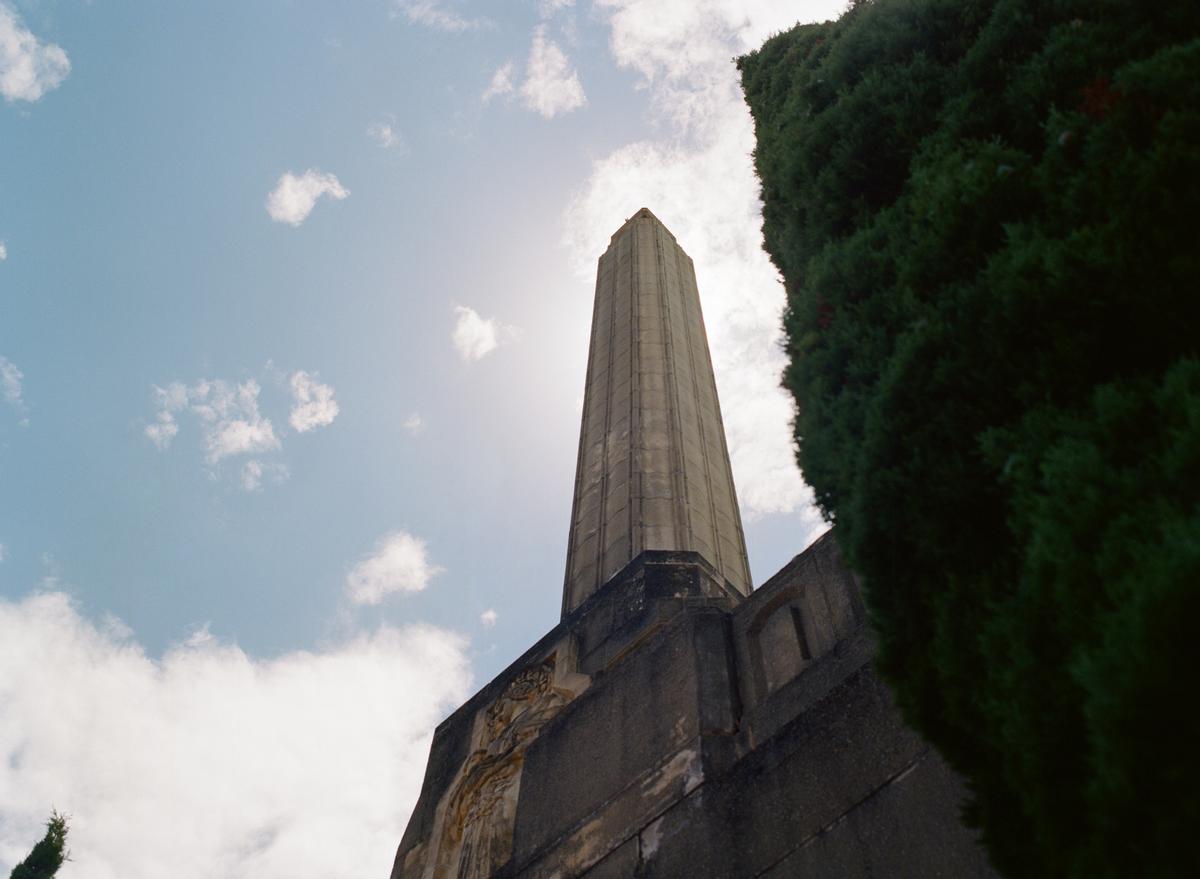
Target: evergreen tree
985	213
48	855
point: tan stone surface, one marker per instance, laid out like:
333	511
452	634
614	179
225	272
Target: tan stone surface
653	469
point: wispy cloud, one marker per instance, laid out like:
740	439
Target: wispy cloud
257	758
252	474
699	179
475	337
399	563
314	403
438	15
234	426
294	196
551	85
28	67
232	423
488	618
163	429
415	424
3	251
383	132
501	83
547	8
10	389
255	471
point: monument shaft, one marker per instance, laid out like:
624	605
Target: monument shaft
653	469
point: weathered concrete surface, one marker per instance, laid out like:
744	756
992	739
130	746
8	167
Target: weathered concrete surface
653	471
686	750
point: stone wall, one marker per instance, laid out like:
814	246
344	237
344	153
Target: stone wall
670	727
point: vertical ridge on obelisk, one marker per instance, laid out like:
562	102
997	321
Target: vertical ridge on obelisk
653	469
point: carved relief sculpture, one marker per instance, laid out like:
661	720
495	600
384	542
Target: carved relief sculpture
478	813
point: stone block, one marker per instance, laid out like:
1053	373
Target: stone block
631	720
621	863
690	839
908	827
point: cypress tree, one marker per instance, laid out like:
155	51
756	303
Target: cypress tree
985	213
49	853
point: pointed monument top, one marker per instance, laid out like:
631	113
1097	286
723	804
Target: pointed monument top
642	214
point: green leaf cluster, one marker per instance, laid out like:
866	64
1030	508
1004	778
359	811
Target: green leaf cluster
987	218
48	854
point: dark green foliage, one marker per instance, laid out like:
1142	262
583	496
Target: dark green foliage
987	216
48	855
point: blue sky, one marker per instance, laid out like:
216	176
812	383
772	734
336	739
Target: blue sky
294	305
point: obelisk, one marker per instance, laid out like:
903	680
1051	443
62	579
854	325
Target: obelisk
673	723
653	469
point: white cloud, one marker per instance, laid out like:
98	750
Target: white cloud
398	564
232	423
435	14
501	83
415	424
699	180
201	636
28	68
386	136
164	428
547	8
3	552
255	471
293	198
306	765
162	431
10	389
488	618
476	337
230	420
314	404
252	473
3	251
551	85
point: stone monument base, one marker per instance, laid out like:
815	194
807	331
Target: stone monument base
670	727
